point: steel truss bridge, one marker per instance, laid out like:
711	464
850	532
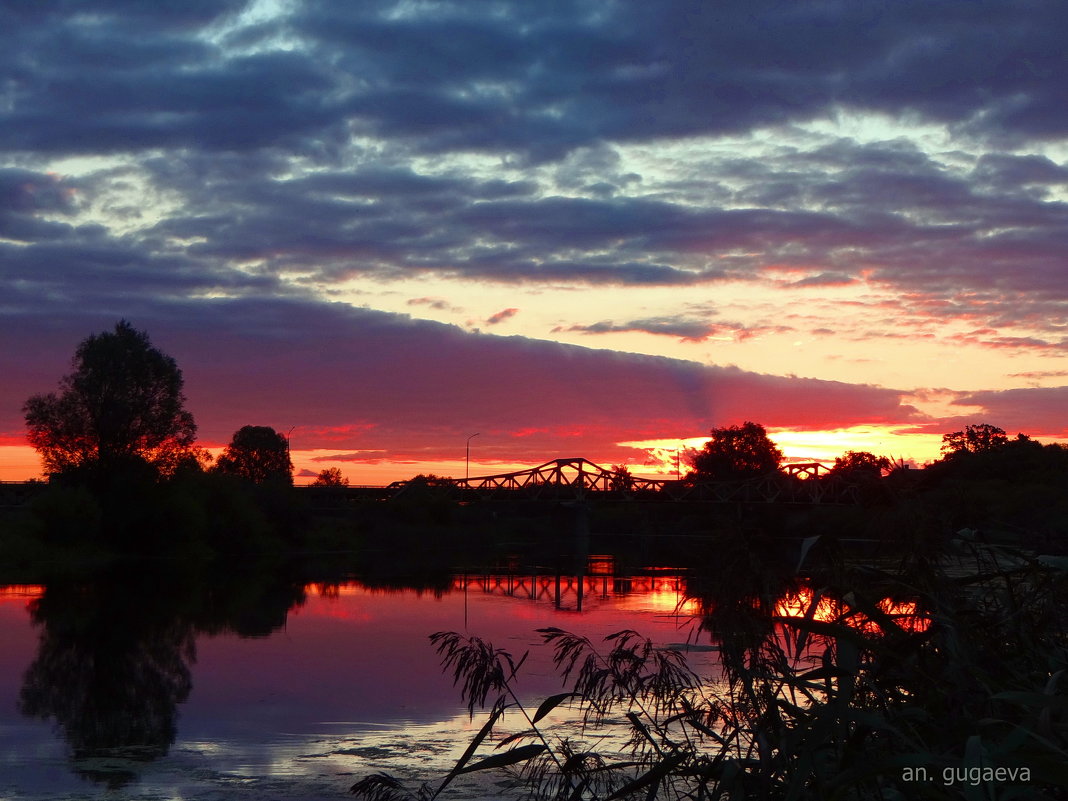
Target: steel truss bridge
575	479
579	479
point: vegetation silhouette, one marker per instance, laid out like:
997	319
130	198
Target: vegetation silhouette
120	408
330	477
979	438
259	454
735	452
856	464
836	684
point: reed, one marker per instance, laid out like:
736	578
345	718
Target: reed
941	678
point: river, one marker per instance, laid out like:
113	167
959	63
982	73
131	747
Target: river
163	683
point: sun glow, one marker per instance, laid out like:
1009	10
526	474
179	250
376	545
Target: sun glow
895	442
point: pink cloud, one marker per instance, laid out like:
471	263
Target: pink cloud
501	316
1036	411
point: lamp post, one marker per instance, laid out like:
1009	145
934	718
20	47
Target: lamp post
467	460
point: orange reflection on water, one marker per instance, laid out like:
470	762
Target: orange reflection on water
905	614
21	592
659	594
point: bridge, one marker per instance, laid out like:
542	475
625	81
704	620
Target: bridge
576	479
573	479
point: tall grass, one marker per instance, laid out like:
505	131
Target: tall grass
957	690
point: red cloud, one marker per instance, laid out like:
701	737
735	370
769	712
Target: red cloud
501	316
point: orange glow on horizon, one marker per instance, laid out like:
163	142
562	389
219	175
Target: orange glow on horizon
894	442
21	592
19	463
825	446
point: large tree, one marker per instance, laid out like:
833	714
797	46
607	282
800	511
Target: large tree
736	452
855	464
330	477
122	404
258	453
981	438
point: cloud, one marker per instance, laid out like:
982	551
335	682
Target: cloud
1035	411
297	144
439	304
686	329
501	316
360	380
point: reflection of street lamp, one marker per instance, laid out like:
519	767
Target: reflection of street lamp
467	461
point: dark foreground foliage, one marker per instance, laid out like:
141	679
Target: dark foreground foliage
941	678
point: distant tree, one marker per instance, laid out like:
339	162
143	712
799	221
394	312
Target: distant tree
330	477
430	480
122	405
982	438
258	453
861	463
736	452
621	479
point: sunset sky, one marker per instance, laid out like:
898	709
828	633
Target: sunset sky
575	228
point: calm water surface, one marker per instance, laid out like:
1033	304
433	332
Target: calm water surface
157	687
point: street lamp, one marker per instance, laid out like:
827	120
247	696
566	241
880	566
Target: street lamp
467	461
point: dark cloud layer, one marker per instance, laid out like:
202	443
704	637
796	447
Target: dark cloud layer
216	108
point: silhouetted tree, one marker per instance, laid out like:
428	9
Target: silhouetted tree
621	480
736	452
258	453
122	405
861	463
981	438
430	480
330	477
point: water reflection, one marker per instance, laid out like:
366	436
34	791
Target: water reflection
663	593
115	656
112	665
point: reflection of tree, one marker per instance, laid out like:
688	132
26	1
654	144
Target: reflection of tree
115	654
111	668
250	603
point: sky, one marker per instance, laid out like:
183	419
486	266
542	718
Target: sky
572	227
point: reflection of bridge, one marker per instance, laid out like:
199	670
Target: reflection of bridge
581	479
660	592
